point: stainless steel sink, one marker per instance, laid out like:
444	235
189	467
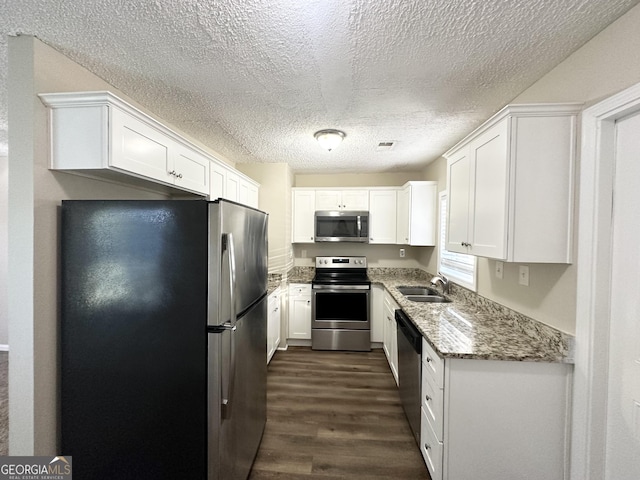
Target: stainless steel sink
417	290
422	294
427	298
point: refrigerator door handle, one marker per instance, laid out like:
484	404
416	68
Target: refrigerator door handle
230	326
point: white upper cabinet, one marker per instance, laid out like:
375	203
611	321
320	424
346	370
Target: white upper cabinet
98	134
229	184
480	205
218	180
303	217
353	199
416	214
511	186
232	187
248	193
382	215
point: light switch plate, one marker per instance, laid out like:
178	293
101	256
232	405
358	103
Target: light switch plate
499	269
523	276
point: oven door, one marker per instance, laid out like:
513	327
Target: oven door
340	307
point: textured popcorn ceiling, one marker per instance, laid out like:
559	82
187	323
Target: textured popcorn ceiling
254	79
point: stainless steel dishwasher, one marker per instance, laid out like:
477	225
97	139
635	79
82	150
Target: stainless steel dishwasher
409	370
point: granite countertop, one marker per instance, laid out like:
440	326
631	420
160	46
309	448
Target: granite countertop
274	280
301	275
474	327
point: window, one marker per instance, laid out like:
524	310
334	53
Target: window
457	267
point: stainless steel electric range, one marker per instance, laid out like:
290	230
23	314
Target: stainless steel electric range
340	318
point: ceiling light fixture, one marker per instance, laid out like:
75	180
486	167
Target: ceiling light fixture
329	138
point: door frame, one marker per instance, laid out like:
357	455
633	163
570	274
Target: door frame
593	313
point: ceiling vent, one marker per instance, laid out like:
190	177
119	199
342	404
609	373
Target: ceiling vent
385	146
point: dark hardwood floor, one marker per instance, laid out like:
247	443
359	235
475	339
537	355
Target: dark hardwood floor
335	415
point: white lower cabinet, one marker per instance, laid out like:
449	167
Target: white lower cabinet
273	323
389	333
299	311
494	420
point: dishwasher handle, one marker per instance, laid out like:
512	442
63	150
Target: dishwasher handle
409	330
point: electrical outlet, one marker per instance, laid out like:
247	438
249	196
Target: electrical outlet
402	253
499	269
523	277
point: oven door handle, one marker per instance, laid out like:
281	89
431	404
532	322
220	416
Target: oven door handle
341	287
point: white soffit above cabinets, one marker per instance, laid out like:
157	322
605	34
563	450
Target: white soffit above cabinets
254	79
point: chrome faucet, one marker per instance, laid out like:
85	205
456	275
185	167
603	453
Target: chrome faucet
442	280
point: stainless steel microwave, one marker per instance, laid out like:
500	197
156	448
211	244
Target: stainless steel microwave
341	226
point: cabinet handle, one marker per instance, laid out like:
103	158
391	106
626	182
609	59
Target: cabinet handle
428	398
427	446
179	175
172	172
428	359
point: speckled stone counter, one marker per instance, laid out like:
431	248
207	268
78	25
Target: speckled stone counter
301	274
274	280
472	326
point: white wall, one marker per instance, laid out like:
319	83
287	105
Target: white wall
275	198
4	251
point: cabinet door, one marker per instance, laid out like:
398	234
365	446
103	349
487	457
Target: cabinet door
190	169
459	194
232	187
488	223
273	324
139	148
382	216
247	193
217	181
355	199
402	217
304	206
422	213
300	318
390	334
328	200
254	196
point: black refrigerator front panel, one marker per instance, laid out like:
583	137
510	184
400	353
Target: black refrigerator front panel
133	341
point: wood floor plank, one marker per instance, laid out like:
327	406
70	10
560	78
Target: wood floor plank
335	415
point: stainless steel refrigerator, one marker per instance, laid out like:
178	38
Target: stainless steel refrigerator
162	338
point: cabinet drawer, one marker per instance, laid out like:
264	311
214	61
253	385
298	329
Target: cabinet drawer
432	364
390	303
299	289
430	448
432	403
